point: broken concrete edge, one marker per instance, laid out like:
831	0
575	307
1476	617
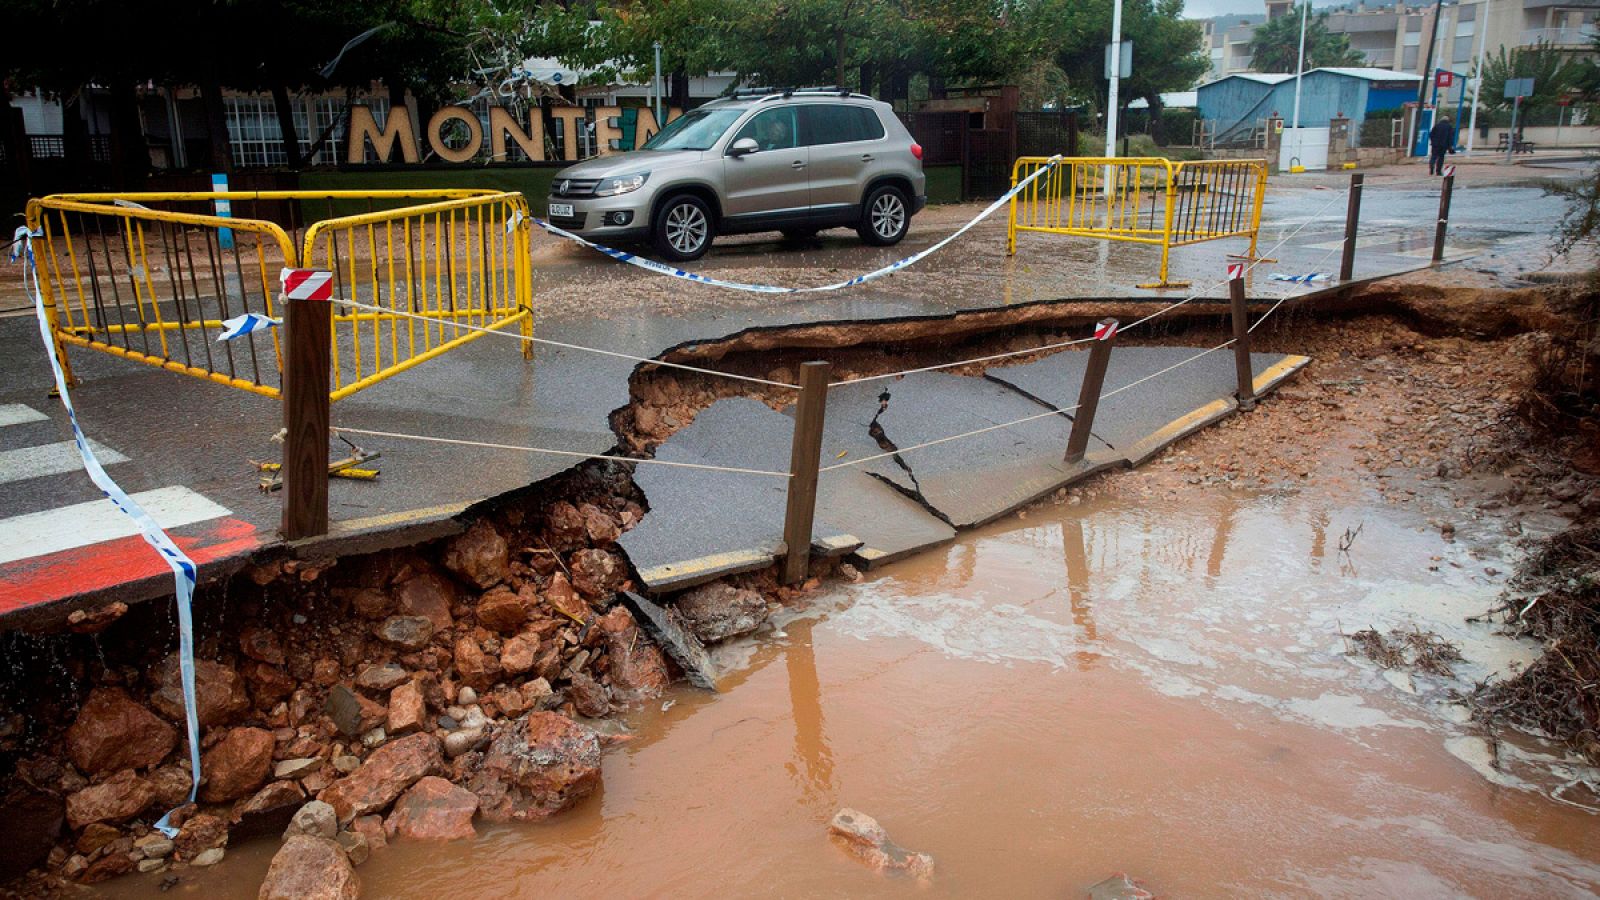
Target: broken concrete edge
1178	429
678	642
694	572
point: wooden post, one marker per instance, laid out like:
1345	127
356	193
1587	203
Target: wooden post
1094	378
1352	216
307	326
1241	344
1444	218
805	455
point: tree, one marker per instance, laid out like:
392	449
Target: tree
1554	73
1275	46
1168	51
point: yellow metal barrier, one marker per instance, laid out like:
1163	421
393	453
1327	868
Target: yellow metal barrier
464	260
142	277
1144	200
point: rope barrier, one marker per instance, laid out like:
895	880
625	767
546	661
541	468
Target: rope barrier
461	442
550	343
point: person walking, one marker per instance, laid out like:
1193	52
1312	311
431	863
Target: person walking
1441	140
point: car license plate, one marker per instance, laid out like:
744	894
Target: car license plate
561	209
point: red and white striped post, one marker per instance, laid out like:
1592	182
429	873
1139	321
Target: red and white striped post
1241	337
308	329
1094	378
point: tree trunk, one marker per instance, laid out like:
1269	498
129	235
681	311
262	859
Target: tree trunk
679	93
221	153
291	135
75	139
1157	133
838	56
19	151
869	77
130	156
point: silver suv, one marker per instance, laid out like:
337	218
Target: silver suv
795	161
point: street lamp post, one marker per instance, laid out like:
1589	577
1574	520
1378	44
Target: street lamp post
1477	77
1300	67
1116	73
657	82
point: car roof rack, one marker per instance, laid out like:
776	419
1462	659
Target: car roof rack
768	93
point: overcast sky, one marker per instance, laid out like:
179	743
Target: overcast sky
1205	9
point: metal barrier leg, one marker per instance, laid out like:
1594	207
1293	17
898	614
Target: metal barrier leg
1444	219
309	327
805	456
1352	217
1094	378
1241	344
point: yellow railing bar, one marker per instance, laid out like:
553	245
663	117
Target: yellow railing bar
421	358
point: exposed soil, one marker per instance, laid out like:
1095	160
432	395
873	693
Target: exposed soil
450	658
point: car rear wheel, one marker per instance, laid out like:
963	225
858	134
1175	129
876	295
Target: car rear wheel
683	229
884	217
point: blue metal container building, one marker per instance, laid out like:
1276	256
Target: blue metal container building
1237	102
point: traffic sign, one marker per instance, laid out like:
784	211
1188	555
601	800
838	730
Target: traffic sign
1443	78
1518	87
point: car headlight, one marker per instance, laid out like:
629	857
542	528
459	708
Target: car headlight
622	184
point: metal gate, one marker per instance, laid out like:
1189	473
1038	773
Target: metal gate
152	277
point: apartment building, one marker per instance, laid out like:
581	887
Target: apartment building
1393	34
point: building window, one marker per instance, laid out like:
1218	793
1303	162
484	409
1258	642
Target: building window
256	139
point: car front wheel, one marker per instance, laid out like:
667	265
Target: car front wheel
683	230
885	217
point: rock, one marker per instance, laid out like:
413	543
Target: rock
502	610
388	771
310	868
200	832
107	867
479	556
564	527
352	713
1120	887
375	738
219	692
866	839
429	596
459	742
236	765
517	654
638	670
30	822
154	845
172	785
261	644
719	611
434	810
151	864
355	846
316	819
535	766
96	836
74	866
597	574
599	524
346	763
588	696
467	696
113	732
295	769
560	596
408	712
537	693
371	828
268	811
386	677
406	632
475	667
206	858
371	603
268	684
119	798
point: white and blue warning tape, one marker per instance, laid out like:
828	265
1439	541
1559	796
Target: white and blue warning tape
1307	278
661	268
183	568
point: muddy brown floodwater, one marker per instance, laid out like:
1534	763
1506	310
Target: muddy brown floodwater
1157	687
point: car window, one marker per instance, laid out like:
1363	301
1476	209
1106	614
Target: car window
694	130
772	129
836	123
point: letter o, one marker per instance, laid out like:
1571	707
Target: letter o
436	138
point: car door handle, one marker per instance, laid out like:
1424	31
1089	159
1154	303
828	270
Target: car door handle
797	164
867	157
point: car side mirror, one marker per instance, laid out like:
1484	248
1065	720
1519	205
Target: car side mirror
743	146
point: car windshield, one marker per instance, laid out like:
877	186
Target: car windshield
695	130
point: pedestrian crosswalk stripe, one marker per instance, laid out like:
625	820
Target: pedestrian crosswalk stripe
50	459
18	413
82	524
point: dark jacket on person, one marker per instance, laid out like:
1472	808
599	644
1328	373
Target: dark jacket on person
1442	136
